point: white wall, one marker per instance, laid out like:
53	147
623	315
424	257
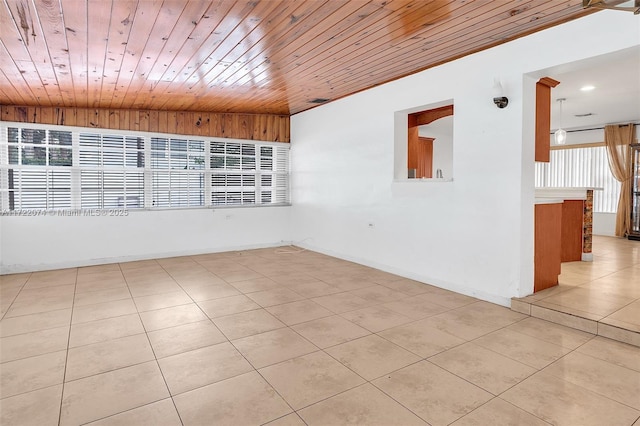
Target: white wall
604	224
473	235
50	242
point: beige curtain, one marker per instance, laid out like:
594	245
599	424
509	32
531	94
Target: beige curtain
618	140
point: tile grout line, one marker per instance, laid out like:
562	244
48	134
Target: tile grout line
66	360
146	333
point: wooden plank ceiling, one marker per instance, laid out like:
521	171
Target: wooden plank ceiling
268	56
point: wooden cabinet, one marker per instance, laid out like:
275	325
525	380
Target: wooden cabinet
547	245
634	229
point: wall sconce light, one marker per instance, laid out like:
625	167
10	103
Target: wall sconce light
499	99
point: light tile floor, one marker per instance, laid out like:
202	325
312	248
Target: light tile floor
601	297
291	337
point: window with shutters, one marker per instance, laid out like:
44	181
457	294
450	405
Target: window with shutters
36	169
581	167
53	167
112	171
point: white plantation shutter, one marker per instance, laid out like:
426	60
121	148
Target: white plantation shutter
178	172
112	171
53	167
585	166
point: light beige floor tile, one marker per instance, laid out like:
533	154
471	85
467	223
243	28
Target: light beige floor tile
486	369
209	292
44	292
190	281
116	285
372	356
619	334
247	323
343	302
408	287
34	343
105	394
376	318
491	313
381	277
584	324
499	412
161	413
171	317
33	373
37	408
572	311
153	287
347	283
139	264
85	276
97	269
238	275
627	317
364	405
241	400
256	284
289	420
183	338
101	357
434	394
582	299
522	348
105	329
553	333
612	351
8	294
330	331
103	310
160	301
51	278
201	367
460	324
4	307
39	305
618	383
297	312
560	402
305	380
227	306
421	339
14	279
379	294
276	296
415	308
101	296
292	279
35	322
314	289
446	298
273	346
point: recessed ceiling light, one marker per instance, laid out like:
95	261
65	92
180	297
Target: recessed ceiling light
587	88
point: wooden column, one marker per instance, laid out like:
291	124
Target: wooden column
543	118
572	229
548	243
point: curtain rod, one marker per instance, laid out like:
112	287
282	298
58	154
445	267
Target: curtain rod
597	128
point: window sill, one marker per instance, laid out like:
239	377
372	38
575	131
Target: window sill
418	188
421	180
